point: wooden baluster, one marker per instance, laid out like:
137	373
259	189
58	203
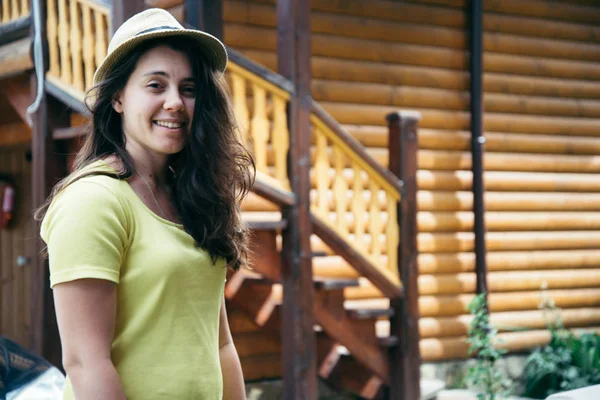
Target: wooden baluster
260	127
52	32
76	46
63	40
340	192
240	106
322	174
5	11
375	223
280	138
359	207
24	8
101	33
392	235
88	47
14	8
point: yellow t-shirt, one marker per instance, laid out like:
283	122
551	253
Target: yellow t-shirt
169	292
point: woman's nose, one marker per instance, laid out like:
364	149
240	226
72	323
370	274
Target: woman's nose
173	101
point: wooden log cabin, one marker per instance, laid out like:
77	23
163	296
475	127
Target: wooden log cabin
393	102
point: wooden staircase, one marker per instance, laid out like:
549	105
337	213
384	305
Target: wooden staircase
352	344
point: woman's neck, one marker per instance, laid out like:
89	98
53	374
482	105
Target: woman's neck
150	165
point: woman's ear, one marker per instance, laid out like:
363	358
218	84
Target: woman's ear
117	105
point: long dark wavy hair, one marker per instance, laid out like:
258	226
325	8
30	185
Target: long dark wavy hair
210	176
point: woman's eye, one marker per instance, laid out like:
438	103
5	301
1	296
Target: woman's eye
189	90
155	85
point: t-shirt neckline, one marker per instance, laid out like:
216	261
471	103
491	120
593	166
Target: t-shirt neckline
133	194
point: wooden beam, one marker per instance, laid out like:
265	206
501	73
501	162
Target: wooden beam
122	11
299	344
18	94
405	358
14	30
264	187
15	133
15	57
265	258
46	168
357	335
67	97
68	133
206	15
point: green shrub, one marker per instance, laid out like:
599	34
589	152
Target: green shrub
484	376
567	362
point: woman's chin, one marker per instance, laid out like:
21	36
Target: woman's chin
171	147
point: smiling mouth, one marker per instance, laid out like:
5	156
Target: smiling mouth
169	125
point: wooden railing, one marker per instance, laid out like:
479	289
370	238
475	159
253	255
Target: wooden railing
13	9
261	112
355	196
77	42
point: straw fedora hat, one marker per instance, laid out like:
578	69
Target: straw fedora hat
157	23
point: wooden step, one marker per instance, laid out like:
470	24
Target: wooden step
334	284
370	313
344	372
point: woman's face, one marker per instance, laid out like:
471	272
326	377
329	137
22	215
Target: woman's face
157	103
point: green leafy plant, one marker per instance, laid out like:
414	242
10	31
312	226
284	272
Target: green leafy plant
567	362
485	377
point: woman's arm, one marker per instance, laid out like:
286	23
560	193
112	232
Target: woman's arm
233	378
86	313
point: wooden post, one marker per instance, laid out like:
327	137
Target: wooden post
46	167
299	344
477	143
122	10
206	15
405	359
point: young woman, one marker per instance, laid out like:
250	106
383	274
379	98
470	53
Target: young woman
140	235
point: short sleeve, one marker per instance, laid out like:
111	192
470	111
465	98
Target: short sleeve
85	230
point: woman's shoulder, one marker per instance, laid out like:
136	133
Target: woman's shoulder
90	195
92	188
97	178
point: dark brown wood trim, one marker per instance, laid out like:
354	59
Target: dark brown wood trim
265	73
299	343
68	133
68	100
206	15
361	264
49	164
14	30
274	194
406	359
122	10
264	257
355	146
334	284
358	336
18	94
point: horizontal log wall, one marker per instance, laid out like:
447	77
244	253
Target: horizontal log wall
542	125
15	280
553	155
